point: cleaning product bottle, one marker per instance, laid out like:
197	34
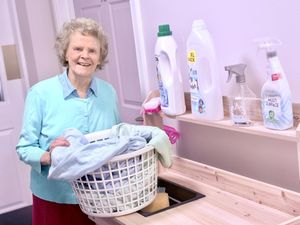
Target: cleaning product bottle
205	88
276	95
241	99
168	73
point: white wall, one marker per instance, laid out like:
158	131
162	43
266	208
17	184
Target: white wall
233	25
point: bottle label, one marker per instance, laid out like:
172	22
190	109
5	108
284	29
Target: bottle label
238	112
197	103
194	86
272	109
193	73
164	101
192	56
275	76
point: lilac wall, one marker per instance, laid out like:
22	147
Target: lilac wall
233	24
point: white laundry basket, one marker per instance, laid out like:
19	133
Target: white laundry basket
127	183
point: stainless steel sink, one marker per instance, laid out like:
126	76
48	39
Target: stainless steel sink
178	195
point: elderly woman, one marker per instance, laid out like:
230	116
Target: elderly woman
73	99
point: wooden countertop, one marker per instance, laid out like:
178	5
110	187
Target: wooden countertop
230	199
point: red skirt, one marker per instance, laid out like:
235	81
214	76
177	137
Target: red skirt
51	213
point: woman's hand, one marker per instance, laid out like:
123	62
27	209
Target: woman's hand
46	157
60	141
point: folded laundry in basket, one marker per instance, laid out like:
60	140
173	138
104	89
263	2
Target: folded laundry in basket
82	157
158	139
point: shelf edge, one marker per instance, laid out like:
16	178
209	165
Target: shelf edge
257	129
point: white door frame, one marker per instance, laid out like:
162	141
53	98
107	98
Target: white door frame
62	11
137	23
20	45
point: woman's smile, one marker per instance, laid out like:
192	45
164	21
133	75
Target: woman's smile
82	55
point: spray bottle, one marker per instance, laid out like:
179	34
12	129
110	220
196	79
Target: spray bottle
276	95
241	99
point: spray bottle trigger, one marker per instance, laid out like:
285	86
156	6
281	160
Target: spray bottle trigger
227	68
238	70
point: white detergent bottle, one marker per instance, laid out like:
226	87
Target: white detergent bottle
205	87
276	95
168	73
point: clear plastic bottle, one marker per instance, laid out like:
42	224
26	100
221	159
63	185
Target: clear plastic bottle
168	73
241	97
205	87
276	95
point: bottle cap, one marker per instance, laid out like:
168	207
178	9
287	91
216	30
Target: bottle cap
199	24
164	30
269	44
271	54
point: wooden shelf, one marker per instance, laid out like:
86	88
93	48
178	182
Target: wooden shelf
292	135
256	129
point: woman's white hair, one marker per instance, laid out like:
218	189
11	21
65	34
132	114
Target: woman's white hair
85	26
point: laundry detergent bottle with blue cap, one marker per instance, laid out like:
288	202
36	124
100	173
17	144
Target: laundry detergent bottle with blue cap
168	73
276	95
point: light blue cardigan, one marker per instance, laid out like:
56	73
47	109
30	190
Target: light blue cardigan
51	107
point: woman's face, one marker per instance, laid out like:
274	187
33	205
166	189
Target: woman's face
83	55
